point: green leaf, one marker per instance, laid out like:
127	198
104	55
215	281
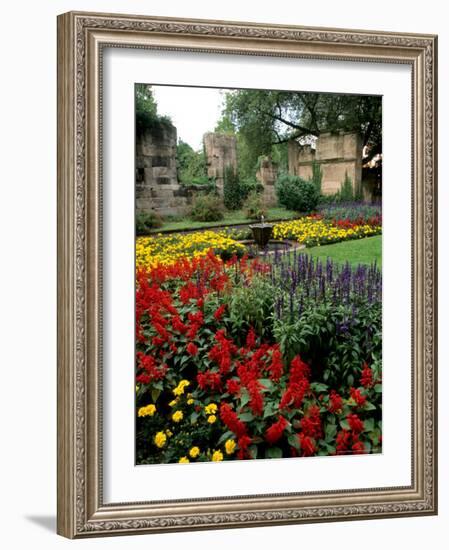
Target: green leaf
294	441
369	425
378	388
253	450
369	406
194	417
224	437
318	387
273	452
155	394
246	417
344	424
330	431
267	383
245	397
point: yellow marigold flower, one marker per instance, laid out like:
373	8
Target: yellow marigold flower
194	452
149	410
230	446
173	402
211	419
211	408
177	416
217	456
179	390
183	460
160	439
169	433
190	401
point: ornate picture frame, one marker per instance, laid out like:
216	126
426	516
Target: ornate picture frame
82	38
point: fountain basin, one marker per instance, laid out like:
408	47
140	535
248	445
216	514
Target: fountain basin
262	233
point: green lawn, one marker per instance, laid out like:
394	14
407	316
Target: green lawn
230	218
363	251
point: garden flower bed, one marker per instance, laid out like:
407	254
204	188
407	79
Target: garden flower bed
246	359
316	230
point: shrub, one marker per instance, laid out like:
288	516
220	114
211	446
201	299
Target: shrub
145	221
346	191
232	194
297	194
317	176
207	208
250	186
254	206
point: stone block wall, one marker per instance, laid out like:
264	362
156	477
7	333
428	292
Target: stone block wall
337	154
157	186
267	175
221	152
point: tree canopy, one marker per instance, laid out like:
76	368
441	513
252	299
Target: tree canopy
269	118
147	117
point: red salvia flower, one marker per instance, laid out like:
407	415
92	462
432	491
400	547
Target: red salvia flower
219	312
276	365
343	440
256	398
357	397
367	376
233	386
209	379
244	442
192	349
275	431
231	420
251	339
307	445
311	423
355	423
358	448
335	402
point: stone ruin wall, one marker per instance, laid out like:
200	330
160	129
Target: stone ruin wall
221	152
157	186
267	175
336	154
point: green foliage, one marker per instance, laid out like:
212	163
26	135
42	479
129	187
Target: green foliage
232	195
346	192
265	118
146	221
147	117
296	194
207	208
317	176
254	206
191	164
251	305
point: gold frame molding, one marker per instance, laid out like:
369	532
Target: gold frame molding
81	39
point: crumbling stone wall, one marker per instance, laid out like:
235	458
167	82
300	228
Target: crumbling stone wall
157	186
337	155
221	152
267	175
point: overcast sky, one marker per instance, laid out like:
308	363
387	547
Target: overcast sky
194	111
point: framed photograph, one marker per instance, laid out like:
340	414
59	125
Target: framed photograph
246	274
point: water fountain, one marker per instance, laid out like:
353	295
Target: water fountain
262	232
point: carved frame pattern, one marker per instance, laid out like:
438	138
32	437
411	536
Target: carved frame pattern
81	39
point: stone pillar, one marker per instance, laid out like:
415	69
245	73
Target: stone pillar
267	175
221	152
157	186
337	155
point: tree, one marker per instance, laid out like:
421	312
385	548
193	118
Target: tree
267	118
191	164
147	117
